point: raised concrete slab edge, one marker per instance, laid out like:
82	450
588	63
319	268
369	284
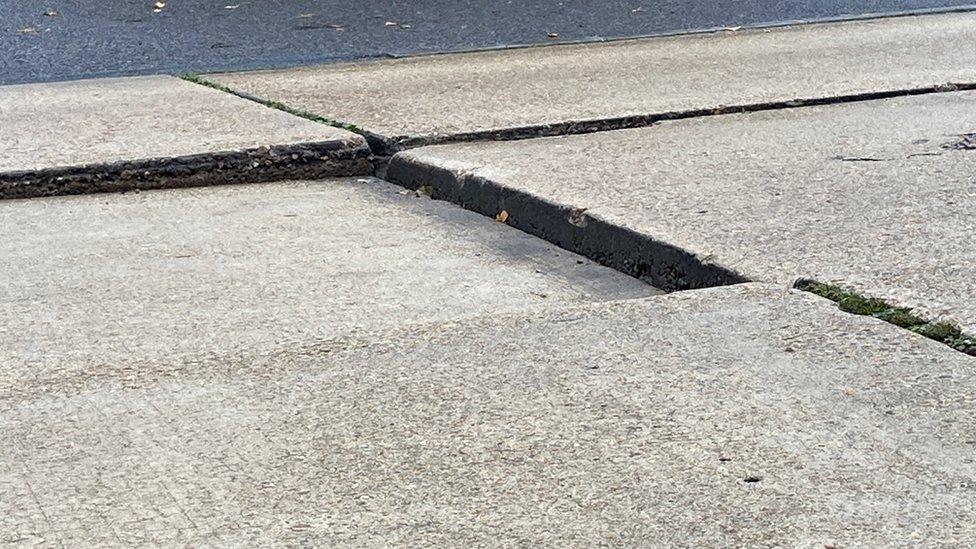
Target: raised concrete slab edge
628	212
640	255
156	132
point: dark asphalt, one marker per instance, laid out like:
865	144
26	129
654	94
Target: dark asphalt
90	38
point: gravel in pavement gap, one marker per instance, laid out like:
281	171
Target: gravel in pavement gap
574	89
150	132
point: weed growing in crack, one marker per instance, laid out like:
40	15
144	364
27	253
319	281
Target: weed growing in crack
277	105
899	316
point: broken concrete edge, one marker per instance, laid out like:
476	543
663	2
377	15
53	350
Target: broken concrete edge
903	317
293	161
658	263
577	127
381	146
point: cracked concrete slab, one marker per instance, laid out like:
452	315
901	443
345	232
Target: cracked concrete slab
125	133
102	282
874	196
737	416
561	88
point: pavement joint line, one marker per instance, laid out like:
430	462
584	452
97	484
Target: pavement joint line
379	144
597	125
312	160
384	146
902	317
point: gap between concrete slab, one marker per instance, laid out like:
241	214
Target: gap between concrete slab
903	317
577	127
258	165
384	147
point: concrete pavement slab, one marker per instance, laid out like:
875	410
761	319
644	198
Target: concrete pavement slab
874	196
736	416
623	84
109	281
117	134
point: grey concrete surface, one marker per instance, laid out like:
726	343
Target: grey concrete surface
121	37
126	128
136	280
876	196
429	97
739	416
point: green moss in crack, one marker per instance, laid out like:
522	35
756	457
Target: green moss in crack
277	105
899	316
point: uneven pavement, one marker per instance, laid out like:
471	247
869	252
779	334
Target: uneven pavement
323	361
573	89
746	415
99	283
876	196
159	131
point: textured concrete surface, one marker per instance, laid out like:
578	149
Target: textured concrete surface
119	37
136	280
132	126
740	416
877	196
426	97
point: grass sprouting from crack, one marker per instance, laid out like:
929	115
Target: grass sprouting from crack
197	79
899	316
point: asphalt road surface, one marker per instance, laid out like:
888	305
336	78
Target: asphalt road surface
43	40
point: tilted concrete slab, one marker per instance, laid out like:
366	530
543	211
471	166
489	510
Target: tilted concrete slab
739	416
564	89
876	196
133	280
125	133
